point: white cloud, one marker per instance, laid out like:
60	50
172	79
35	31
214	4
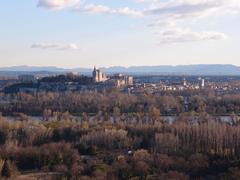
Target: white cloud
178	35
80	6
170	15
193	8
162	24
57	4
167	8
167	15
55	46
101	9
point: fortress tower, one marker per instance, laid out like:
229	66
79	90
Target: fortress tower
98	75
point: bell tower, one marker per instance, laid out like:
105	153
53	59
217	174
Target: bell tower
95	74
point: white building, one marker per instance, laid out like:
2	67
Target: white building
99	76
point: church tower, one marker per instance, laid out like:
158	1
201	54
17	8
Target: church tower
95	74
98	75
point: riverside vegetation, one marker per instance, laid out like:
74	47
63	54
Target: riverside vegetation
120	136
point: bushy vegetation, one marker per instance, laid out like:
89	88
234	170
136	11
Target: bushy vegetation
119	136
169	103
122	149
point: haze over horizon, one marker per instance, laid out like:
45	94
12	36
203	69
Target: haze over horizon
83	33
114	66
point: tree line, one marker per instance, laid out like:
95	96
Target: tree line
93	102
100	148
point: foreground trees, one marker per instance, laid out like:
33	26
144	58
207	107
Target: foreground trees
89	135
193	147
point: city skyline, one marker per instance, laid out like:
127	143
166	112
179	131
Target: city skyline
77	33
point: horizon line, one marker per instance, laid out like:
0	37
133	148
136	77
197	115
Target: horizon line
111	66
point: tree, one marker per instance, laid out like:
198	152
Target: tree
116	113
6	171
121	168
154	114
47	113
141	155
85	120
141	169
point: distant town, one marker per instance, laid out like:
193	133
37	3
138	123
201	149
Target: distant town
100	81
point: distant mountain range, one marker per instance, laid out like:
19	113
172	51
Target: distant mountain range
201	69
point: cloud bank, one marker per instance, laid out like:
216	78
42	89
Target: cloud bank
186	35
55	46
102	9
167	16
57	4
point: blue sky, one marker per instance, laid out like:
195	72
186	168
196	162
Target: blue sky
83	33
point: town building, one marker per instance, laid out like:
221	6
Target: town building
99	76
184	82
122	80
117	80
201	83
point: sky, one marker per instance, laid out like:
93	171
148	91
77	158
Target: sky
84	33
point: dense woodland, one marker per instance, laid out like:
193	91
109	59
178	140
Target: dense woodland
68	78
119	136
93	102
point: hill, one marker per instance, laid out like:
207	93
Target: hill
201	69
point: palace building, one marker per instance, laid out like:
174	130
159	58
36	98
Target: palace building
99	76
117	80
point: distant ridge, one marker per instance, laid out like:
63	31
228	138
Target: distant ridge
32	68
200	69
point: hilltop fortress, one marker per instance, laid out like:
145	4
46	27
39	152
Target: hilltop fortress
98	75
118	80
